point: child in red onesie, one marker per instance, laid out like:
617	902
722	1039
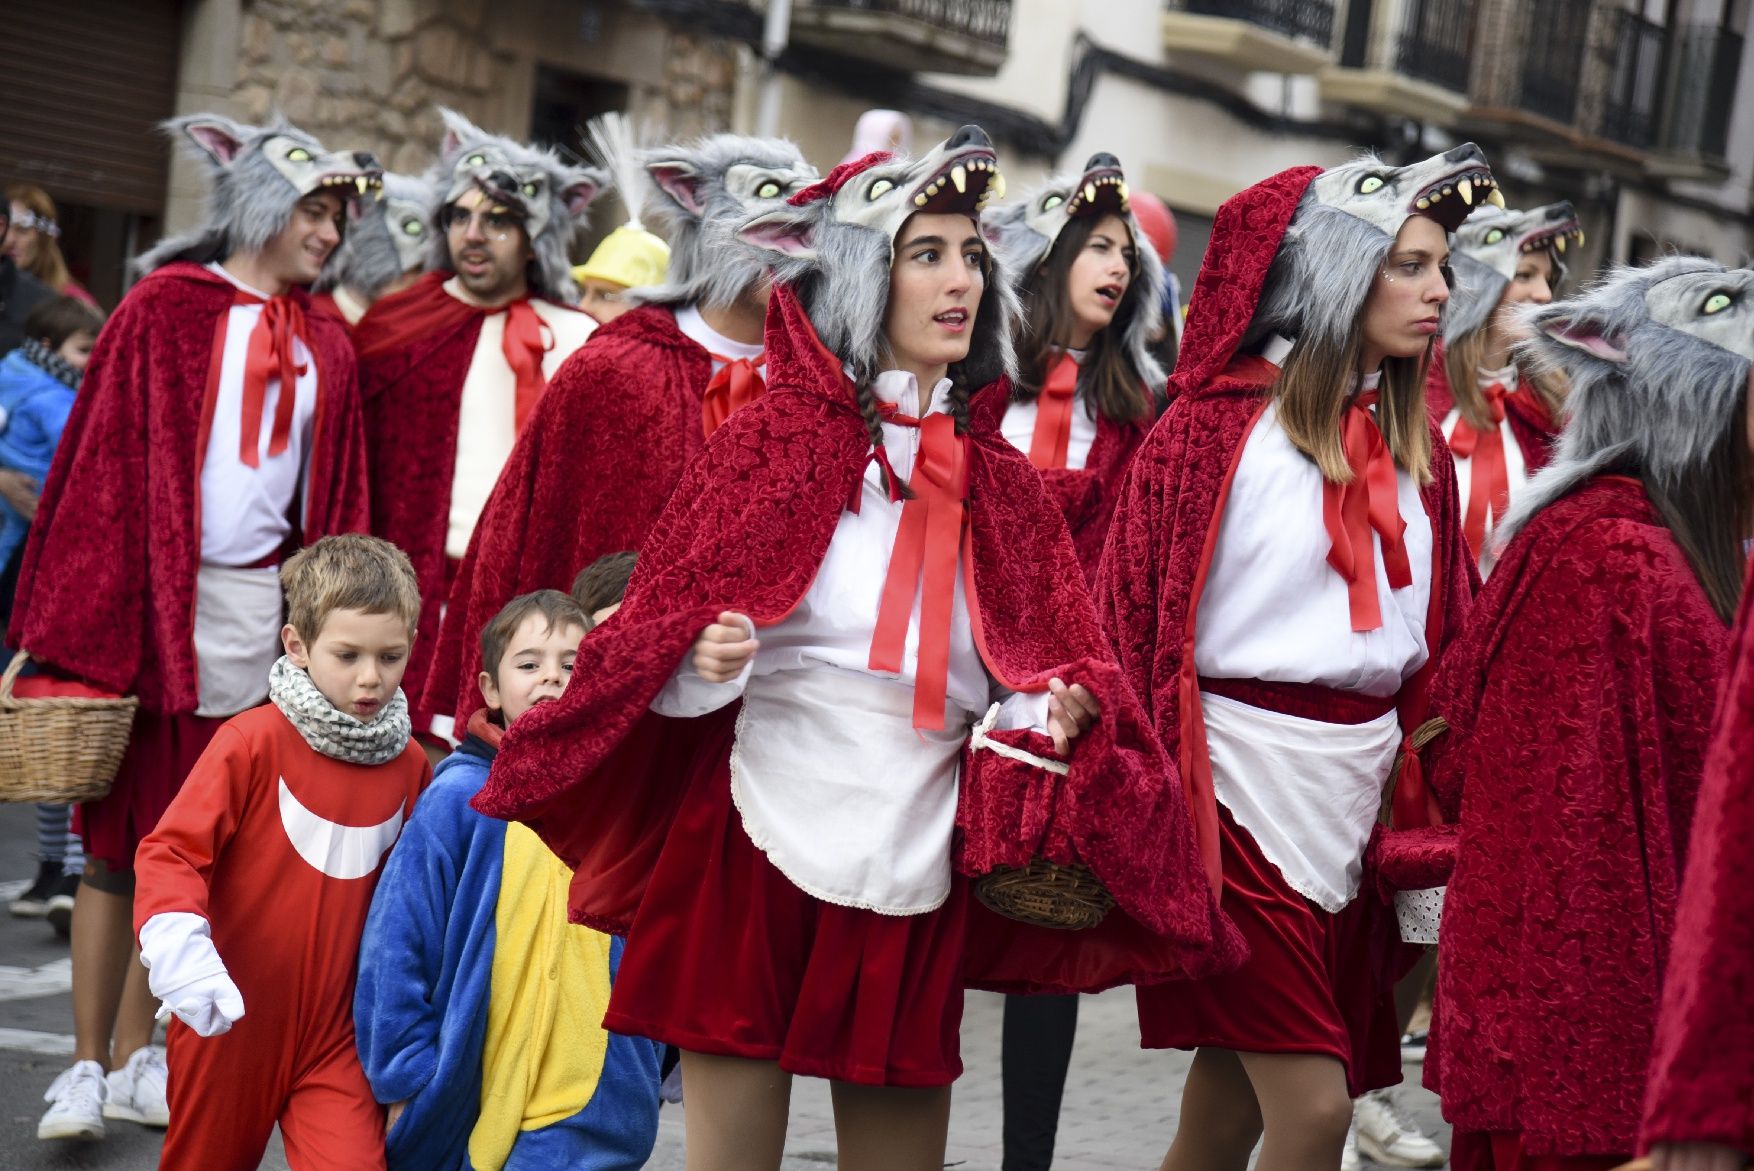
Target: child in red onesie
253	889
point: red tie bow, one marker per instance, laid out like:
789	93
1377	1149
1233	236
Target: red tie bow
1369	503
1488	471
928	544
272	353
736	384
1053	415
525	343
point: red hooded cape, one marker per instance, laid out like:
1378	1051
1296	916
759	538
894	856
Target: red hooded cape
1702	1066
414	353
597	459
1534	429
1166	525
107	587
1579	702
598	775
1087	495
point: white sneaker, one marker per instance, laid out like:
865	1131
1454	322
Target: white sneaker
1349	1158
1388	1136
137	1089
76	1103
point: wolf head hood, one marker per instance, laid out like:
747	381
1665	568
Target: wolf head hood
834	243
1658	359
256	175
551	195
1024	234
387	237
1485	255
701	192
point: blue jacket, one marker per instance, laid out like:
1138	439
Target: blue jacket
36	406
420	1008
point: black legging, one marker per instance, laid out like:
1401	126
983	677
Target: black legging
1037	1049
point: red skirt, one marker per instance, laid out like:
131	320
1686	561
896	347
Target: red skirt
726	956
1314	982
161	751
1474	1150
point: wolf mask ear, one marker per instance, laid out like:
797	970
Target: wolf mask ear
680	181
458	129
220	138
582	186
1587	336
782	232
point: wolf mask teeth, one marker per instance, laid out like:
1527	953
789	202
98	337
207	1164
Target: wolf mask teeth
1487	250
1442	188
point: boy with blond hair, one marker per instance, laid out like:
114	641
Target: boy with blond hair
479	1006
254	887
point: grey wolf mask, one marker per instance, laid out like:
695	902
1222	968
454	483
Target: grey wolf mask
1486	251
834	242
1024	234
1342	230
386	237
702	191
257	175
551	195
1658	359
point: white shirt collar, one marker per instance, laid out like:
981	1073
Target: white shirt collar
219	268
696	330
1505	376
903	390
1277	349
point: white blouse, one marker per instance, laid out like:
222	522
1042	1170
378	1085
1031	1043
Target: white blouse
1018	426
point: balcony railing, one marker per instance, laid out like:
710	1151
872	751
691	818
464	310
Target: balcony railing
1435	42
1702	91
1630	115
988	21
1553	48
1309	20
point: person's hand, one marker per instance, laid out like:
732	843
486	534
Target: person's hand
725	648
20	491
392	1112
1071	710
210	1005
1696	1157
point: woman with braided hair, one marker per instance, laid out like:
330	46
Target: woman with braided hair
856	664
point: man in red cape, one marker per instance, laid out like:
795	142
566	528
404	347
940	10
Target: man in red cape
186	470
598	775
621	420
451	368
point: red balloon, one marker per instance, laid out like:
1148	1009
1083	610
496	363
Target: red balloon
1156	221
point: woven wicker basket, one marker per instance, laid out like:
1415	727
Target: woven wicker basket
1046	894
59	749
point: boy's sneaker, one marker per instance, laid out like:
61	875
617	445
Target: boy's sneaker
1388	1136
1349	1157
76	1103
137	1089
1413	1046
60	914
34	903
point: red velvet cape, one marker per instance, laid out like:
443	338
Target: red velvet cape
1087	495
1702	1066
1535	430
597	459
107	587
1165	527
1579	701
598	775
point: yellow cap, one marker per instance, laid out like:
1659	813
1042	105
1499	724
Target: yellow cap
630	257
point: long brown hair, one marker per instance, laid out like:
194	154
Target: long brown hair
1709	515
48	266
1105	377
1311	396
1462	362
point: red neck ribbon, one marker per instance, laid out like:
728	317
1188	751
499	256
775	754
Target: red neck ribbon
525	342
927	547
1053	415
1488	473
737	384
1368	503
271	354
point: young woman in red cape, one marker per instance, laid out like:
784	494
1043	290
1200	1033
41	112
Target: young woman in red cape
1284	566
857	663
1579	702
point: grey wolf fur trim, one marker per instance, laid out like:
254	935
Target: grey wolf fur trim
1487	250
386	238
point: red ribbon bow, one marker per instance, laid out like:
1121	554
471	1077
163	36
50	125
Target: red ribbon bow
1053	415
525	342
271	354
736	385
1369	502
1488	472
927	547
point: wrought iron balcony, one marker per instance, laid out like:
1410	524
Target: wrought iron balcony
1630	114
1553	49
1701	95
1406	60
926	36
1435	42
1276	36
1298	19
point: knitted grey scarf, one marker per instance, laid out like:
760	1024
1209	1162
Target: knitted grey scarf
332	731
51	363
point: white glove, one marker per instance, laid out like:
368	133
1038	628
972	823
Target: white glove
185	972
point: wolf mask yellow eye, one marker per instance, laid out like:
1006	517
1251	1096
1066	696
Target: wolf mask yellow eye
1370	184
879	189
412	227
475	160
1052	202
768	190
1495	235
298	154
1717	303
